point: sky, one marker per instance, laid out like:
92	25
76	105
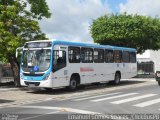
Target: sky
71	19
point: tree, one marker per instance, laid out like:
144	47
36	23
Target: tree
17	25
135	31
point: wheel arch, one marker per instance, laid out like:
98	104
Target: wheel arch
118	72
77	76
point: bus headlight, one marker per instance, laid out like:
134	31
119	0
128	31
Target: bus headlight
46	77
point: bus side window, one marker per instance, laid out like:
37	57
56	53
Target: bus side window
74	54
87	55
117	56
59	61
98	55
132	57
109	57
125	57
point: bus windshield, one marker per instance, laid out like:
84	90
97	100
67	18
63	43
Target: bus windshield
36	60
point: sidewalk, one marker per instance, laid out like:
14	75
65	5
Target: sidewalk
8	89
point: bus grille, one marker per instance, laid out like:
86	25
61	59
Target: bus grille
30	74
33	83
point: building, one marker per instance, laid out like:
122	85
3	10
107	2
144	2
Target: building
148	62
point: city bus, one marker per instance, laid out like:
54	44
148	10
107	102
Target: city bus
55	63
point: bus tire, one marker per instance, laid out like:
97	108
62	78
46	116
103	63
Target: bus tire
117	78
73	84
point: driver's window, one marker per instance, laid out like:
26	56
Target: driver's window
59	60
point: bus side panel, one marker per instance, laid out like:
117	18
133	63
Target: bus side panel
133	71
130	70
92	72
108	71
60	78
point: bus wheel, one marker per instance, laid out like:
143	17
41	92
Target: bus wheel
117	78
73	84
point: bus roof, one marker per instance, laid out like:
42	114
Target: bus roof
82	44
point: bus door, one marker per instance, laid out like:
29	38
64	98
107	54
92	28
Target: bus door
59	67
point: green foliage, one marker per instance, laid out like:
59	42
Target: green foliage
18	25
134	31
39	8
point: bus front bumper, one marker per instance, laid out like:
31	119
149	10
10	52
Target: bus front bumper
41	84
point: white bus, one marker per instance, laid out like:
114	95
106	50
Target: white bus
56	63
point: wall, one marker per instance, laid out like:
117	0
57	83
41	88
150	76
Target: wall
150	55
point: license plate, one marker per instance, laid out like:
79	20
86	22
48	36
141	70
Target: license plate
31	85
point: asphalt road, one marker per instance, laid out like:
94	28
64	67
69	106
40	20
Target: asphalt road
129	101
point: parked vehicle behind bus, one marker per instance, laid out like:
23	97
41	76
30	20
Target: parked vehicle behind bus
157	77
55	63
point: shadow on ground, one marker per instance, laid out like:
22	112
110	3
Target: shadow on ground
82	88
5	101
7	85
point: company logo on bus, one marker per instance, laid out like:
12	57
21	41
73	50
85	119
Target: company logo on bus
86	69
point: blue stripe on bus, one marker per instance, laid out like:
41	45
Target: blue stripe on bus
35	78
61	42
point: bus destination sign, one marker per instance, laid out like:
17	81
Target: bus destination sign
38	45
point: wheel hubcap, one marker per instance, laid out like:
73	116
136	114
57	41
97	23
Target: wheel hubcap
73	84
117	79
